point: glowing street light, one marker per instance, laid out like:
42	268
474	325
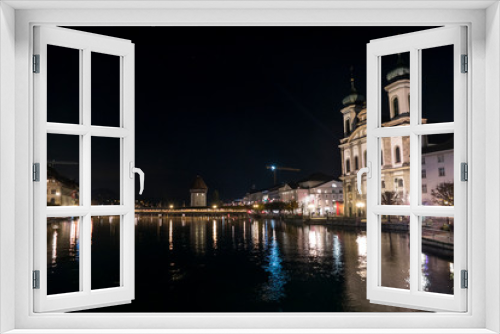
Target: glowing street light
171	206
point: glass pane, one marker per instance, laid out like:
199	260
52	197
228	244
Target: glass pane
105	90
437	170
63	170
437	84
105	171
395	252
395	94
395	178
63	261
437	254
63	85
105	266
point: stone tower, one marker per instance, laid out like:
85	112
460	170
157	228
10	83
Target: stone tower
198	192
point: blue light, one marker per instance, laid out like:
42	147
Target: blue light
273	167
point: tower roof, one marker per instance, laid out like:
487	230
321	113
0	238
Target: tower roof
198	183
401	71
353	97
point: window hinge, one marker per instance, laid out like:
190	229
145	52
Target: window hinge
465	64
36	279
465	279
464	171
36	172
36	63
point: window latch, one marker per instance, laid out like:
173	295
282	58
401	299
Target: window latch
368	171
139	171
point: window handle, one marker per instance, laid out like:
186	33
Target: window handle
139	171
368	171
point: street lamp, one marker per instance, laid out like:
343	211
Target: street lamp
171	206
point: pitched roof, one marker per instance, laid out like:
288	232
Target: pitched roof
317	177
198	183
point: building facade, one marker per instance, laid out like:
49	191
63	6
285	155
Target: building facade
317	195
198	192
437	170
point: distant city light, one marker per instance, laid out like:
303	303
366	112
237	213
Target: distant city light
273	167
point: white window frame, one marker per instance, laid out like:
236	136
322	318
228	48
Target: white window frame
415	43
483	20
86	44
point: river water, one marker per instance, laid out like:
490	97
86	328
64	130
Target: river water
202	265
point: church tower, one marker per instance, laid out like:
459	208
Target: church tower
398	89
198	192
353	104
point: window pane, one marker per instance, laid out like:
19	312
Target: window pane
105	171
105	266
395	94
437	84
63	85
395	178
437	254
105	90
63	170
395	252
437	170
63	261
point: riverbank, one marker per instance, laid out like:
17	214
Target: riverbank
432	238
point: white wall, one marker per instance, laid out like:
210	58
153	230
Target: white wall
492	150
7	163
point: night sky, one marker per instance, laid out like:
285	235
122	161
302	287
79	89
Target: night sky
224	102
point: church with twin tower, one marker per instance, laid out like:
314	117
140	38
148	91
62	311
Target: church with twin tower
395	150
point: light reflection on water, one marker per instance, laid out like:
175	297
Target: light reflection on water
256	266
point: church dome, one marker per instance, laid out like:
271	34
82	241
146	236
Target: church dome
401	71
354	97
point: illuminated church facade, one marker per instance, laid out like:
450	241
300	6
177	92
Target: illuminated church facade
437	159
395	150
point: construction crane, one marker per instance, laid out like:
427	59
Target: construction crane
275	168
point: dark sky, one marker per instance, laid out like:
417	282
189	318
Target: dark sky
224	102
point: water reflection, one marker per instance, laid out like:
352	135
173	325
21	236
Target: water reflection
63	236
257	266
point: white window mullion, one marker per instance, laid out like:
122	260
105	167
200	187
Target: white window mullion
85	182
415	151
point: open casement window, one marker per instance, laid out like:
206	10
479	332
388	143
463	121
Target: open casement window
83	143
423	151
